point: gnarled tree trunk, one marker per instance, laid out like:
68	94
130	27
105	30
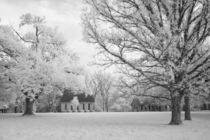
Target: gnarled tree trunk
176	110
29	105
187	115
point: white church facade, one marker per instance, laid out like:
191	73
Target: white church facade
71	102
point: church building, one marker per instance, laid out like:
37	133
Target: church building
77	102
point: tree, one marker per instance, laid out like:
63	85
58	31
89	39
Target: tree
163	43
121	104
49	102
6	97
100	85
43	59
135	104
10	49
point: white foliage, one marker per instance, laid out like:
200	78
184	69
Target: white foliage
121	104
42	65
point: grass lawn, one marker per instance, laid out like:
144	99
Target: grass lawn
103	126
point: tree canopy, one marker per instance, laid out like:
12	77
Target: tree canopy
161	43
37	61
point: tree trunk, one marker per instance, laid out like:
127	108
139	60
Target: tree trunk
28	107
107	107
103	106
187	115
176	110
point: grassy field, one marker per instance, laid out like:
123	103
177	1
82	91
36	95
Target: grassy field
103	126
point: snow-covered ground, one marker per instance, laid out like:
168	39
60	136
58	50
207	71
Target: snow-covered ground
103	126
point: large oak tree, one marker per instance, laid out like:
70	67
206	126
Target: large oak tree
161	42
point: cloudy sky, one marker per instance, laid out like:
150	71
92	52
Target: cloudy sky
62	13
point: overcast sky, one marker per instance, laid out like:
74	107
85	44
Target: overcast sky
62	13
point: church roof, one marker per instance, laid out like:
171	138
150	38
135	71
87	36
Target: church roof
68	95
